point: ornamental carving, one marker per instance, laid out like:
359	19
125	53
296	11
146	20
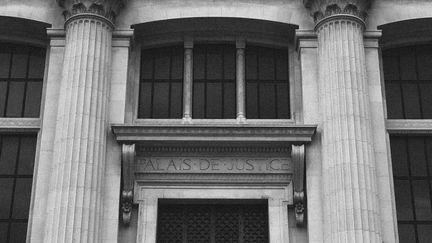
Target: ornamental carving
106	8
321	9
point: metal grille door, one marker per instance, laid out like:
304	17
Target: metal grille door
212	223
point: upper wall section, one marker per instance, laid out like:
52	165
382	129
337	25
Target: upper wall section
284	11
406	32
46	11
24	31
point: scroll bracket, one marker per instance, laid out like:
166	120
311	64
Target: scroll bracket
299	197
128	157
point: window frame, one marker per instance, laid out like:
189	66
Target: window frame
217	38
413	127
402	127
27	126
15	177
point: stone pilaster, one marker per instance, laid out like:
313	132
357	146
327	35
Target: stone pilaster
351	210
75	198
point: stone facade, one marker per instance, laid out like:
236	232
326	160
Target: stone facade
326	172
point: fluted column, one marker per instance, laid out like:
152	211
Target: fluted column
351	210
75	197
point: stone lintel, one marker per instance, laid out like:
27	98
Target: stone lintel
321	9
105	8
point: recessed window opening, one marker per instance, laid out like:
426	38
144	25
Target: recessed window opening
223	81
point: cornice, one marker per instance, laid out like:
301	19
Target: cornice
321	9
181	134
108	9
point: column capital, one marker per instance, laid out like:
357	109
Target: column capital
105	8
321	9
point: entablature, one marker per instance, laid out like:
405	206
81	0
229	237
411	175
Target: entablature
223	154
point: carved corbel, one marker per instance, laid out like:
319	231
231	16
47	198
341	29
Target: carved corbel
299	197
128	157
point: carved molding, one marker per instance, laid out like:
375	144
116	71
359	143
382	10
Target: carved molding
128	158
219	179
299	198
409	126
141	148
105	8
321	9
18	125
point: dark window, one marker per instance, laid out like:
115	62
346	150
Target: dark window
412	171
214	87
218	222
267	86
408	81
21	76
17	155
161	86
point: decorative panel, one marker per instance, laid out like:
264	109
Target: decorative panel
218	222
227	224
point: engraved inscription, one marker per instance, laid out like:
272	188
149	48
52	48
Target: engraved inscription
213	165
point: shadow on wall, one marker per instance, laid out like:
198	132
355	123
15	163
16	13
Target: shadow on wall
25	31
406	32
